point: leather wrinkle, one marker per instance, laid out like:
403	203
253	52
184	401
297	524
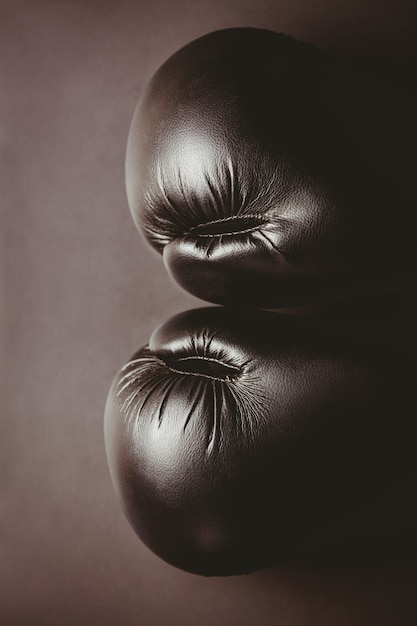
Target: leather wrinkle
314	146
300	438
238	397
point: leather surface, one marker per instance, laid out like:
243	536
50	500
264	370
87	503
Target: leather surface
270	174
82	292
237	439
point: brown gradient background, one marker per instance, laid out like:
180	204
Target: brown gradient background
82	292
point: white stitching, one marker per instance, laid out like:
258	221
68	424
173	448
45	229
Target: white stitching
236	218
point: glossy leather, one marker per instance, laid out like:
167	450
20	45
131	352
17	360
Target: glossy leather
269	174
237	437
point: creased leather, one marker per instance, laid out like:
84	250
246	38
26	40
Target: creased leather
237	436
269	174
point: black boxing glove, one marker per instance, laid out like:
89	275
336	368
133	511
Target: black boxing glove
237	436
270	175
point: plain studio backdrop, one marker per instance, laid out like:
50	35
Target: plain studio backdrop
81	292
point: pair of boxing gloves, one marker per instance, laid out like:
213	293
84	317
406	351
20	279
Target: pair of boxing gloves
268	175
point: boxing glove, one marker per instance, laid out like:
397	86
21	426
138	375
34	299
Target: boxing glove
270	175
237	438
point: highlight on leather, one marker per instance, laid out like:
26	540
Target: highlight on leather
270	174
237	436
148	383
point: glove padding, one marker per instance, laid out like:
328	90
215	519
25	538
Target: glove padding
269	174
235	437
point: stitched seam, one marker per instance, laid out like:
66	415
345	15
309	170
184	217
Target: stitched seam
207	358
237	232
199	375
192	230
227	379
